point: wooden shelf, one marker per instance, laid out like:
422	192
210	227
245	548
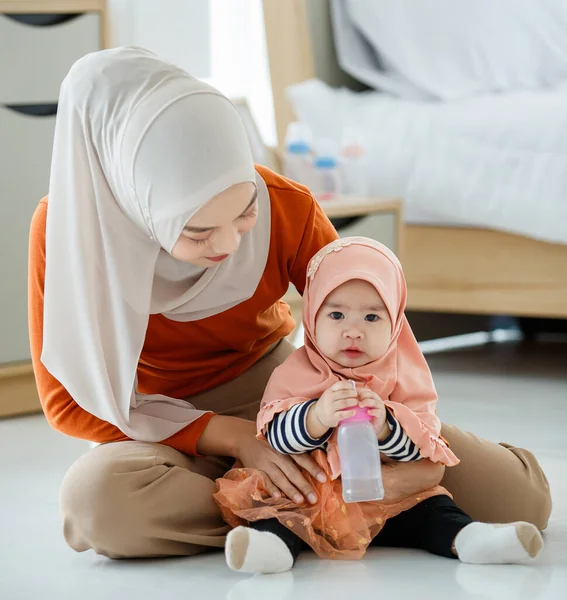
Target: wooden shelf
22	369
18	392
351	206
52	6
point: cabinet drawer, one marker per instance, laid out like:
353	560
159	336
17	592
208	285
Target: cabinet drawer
381	227
25	157
34	59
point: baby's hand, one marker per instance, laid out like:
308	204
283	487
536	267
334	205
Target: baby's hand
332	407
371	400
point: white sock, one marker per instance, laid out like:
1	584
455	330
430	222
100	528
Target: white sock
248	550
487	543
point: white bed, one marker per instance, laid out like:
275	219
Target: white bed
470	122
484	239
496	161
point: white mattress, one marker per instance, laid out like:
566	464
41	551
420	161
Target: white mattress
497	161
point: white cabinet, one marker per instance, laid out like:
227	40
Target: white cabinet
382	227
34	59
36	51
25	149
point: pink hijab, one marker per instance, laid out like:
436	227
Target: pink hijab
400	377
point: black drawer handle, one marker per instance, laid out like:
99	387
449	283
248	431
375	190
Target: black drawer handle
341	222
34	110
42	19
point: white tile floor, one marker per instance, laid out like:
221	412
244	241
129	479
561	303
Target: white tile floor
502	392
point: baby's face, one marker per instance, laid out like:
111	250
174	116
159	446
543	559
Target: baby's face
353	326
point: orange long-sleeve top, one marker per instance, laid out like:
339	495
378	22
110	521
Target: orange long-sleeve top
182	359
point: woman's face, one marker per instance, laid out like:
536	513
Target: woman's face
214	232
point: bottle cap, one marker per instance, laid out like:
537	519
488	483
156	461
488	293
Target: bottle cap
352	151
325	162
352	136
361	416
298	147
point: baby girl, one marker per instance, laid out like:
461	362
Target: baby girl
355	331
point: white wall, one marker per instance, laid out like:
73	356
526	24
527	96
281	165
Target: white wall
239	60
220	41
176	30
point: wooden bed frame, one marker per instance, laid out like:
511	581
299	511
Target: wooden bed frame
448	269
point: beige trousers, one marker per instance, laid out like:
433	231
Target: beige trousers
139	499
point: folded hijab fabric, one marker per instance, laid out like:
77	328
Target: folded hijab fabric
139	148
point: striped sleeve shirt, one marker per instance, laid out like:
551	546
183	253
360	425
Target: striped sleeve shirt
398	445
287	433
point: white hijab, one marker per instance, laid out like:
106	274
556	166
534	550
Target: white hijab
140	147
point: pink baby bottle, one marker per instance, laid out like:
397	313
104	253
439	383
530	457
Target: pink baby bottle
361	472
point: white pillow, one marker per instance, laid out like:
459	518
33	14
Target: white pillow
452	49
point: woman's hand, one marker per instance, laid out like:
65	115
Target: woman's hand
231	436
281	471
403	479
333	406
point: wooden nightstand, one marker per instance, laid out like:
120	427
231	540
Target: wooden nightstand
376	218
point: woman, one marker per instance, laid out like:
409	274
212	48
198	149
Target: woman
156	270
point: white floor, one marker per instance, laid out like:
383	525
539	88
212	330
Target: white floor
504	392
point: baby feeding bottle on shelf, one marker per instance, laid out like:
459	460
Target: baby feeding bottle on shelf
354	168
359	455
297	158
326	173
